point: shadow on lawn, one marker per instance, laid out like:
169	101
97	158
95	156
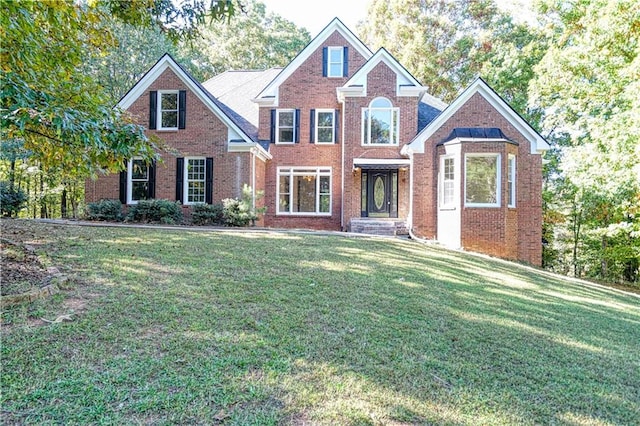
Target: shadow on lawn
291	329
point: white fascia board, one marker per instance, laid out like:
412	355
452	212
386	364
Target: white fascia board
537	143
249	147
357	161
335	25
350	92
456	141
161	66
411	91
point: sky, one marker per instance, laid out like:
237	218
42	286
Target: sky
314	15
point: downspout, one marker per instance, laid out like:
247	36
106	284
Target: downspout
253	178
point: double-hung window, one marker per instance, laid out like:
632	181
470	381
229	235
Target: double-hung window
168	110
325	120
304	191
195	180
448	184
511	180
138	185
380	123
286	125
482	180
335	61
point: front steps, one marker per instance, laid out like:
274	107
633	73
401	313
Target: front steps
378	226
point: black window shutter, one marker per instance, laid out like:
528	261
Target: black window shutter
182	109
208	186
336	126
325	61
345	62
151	187
272	137
179	179
153	109
123	185
297	126
312	126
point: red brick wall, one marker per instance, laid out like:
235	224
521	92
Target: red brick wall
205	135
381	81
307	89
504	232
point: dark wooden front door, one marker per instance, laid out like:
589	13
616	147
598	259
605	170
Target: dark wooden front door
380	195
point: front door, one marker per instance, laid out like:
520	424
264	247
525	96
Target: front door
380	193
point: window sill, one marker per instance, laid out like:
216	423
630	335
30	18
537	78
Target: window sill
167	130
481	206
285	143
303	214
379	145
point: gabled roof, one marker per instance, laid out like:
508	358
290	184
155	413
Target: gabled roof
479	86
406	84
223	112
236	89
270	93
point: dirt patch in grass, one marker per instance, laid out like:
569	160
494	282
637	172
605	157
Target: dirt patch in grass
21	270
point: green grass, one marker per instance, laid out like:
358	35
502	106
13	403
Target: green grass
177	327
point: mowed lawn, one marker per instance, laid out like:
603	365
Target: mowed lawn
237	327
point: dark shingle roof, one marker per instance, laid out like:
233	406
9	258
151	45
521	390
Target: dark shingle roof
476	133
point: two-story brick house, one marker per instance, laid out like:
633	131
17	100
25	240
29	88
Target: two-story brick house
342	138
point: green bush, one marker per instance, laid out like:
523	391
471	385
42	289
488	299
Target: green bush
105	210
207	214
156	211
12	199
237	212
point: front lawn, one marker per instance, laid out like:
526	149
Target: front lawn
201	327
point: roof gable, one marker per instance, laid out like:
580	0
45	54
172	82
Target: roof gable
270	93
537	142
224	113
406	84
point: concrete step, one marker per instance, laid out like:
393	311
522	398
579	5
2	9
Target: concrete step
379	227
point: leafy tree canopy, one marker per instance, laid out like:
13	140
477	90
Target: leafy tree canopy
57	111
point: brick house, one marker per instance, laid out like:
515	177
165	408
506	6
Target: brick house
342	138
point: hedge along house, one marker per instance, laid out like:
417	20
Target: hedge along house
343	138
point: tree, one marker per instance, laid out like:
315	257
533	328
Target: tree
60	113
444	43
589	80
254	39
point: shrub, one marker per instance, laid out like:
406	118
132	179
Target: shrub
237	212
157	211
207	214
12	199
105	210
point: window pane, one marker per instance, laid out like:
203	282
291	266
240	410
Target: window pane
169	101
325	135
380	127
481	180
285	118
325	207
169	119
304	194
335	70
380	103
285	135
138	170
139	190
325	119
335	55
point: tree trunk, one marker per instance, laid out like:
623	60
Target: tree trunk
603	258
63	203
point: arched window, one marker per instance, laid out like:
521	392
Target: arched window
380	123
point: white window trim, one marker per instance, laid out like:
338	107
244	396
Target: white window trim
341	49
292	111
393	131
185	181
304	171
453	203
159	109
498	180
511	169
333	126
130	199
